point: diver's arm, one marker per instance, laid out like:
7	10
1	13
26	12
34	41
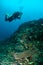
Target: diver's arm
19	17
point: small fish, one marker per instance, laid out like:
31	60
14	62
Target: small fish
16	15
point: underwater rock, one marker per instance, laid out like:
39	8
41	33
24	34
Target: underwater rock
28	37
19	48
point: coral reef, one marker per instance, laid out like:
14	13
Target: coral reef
25	46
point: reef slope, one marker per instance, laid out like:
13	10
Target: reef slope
25	46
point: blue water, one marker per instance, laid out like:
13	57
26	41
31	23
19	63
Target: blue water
32	9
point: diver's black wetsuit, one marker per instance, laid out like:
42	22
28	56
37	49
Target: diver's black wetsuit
16	15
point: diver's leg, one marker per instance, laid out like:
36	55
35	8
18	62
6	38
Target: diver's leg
5	17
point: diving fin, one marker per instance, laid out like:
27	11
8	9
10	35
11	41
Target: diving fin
6	17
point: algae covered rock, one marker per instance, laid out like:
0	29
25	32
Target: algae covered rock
19	48
26	43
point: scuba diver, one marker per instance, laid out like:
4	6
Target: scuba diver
16	15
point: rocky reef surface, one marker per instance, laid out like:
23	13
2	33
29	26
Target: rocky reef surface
25	46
